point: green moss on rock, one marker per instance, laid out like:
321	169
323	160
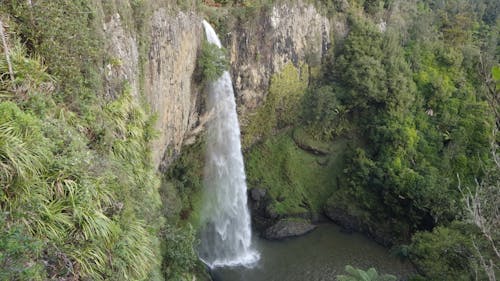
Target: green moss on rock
297	181
282	106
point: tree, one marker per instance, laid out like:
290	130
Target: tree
445	254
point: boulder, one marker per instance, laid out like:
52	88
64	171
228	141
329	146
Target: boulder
288	228
257	194
380	232
348	222
270	212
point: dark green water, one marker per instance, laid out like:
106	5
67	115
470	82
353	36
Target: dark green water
317	256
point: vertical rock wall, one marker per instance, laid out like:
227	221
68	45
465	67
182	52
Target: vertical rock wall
289	32
170	61
168	78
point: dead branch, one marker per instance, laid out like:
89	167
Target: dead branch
489	267
6	51
482	205
202	121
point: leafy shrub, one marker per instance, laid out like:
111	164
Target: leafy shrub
212	62
180	255
446	253
19	258
324	115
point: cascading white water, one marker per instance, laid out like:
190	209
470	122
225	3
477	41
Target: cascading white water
226	234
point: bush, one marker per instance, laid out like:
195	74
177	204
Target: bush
19	258
212	62
443	254
180	256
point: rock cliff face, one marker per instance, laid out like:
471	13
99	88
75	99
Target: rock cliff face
124	51
289	32
169	86
168	69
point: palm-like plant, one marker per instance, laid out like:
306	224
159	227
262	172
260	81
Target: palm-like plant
356	274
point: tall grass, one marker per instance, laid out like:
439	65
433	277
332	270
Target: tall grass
93	213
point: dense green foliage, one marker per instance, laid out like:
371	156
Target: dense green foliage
79	78
418	102
19	250
416	145
181	192
444	254
77	203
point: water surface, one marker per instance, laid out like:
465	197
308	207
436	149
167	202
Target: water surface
318	256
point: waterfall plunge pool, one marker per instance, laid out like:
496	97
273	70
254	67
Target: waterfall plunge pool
317	256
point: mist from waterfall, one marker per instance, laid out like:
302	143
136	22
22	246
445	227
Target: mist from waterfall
226	234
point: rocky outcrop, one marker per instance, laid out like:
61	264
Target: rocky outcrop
123	65
288	228
351	223
272	225
289	32
259	202
340	216
306	143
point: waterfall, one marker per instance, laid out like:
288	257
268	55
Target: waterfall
226	233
